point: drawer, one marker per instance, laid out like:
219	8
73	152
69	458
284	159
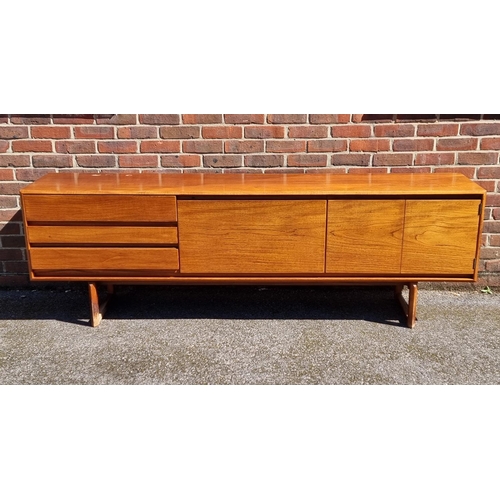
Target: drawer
105	259
99	208
105	235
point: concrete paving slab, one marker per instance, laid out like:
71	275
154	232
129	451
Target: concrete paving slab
249	335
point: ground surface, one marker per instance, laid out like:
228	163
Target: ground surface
249	335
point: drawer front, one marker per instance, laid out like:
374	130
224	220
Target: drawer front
99	208
102	235
103	259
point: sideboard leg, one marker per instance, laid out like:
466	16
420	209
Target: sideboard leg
96	310
412	304
410	308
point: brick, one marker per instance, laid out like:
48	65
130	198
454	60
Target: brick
32	174
308	131
265	161
413	118
307	160
52	161
495	241
496	213
264	132
30	119
488	185
369	145
326	146
348	159
189	161
7	160
11	228
200	146
41	146
493	266
435	159
411	170
73	119
329	118
364	170
222	132
394	159
75	147
138	161
490	253
7	174
488	173
96	161
180	132
94	132
251	146
490	143
16	267
201	119
160	119
135	132
8	201
437	129
10	215
355	131
117	119
4	118
413	145
491	226
117	146
11	241
394	130
11	254
13	132
244	119
459	117
14	280
289	170
480	129
477	158
286	146
4	146
373	118
223	161
46	132
160	147
281	119
467	171
458	144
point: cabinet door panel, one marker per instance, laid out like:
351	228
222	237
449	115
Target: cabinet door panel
364	236
440	237
252	236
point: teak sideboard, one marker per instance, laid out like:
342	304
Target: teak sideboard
196	228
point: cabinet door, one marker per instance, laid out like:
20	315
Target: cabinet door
364	236
252	236
440	237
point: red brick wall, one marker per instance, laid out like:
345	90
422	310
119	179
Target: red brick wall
32	145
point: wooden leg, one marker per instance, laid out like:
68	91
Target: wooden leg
96	310
410	308
412	304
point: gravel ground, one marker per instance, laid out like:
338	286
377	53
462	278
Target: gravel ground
249	335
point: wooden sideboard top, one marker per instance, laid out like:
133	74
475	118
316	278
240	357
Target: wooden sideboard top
234	184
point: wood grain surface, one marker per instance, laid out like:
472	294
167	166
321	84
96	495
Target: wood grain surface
364	236
440	236
252	237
